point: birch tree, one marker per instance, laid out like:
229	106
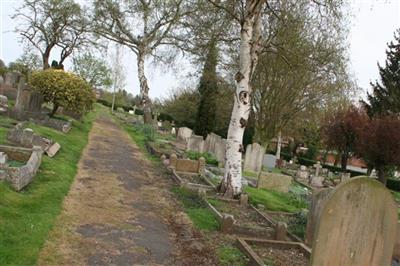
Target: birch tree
257	20
248	15
144	26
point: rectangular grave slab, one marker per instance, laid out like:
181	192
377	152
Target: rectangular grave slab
277	182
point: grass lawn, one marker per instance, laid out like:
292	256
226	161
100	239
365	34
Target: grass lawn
5	124
231	256
26	217
196	209
275	201
250	174
396	195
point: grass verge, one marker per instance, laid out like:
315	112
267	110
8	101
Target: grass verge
275	201
26	217
231	256
196	209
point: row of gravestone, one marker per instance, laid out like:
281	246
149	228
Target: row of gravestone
318	176
216	145
213	143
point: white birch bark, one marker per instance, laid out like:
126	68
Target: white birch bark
144	89
278	146
250	39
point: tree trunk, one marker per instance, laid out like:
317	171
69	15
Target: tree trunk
45	59
54	111
382	175
144	90
113	99
336	162
250	37
343	161
370	167
278	146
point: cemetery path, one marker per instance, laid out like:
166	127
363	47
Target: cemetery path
119	211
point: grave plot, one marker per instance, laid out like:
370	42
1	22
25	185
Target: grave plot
272	252
18	166
296	222
189	173
160	147
241	219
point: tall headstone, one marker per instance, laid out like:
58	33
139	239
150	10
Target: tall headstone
211	141
18	100
3	104
357	225
8	79
254	157
184	133
317	203
220	150
3	159
196	143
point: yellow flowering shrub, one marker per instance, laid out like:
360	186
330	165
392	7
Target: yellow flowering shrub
63	89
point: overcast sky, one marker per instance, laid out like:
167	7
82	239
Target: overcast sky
372	26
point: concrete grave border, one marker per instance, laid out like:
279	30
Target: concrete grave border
244	245
229	225
20	177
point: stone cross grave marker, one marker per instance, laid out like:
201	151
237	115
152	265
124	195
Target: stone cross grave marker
357	225
317	180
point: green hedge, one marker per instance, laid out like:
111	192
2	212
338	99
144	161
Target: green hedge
393	184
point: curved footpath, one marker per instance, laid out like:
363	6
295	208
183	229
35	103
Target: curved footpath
120	211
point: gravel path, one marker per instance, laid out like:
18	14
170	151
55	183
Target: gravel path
119	211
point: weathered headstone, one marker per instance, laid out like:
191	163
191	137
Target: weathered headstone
53	150
210	143
3	159
317	168
277	182
317	203
220	150
344	177
269	161
357	225
184	133
3	103
254	157
302	173
317	181
196	143
27	137
280	231
8	78
227	223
